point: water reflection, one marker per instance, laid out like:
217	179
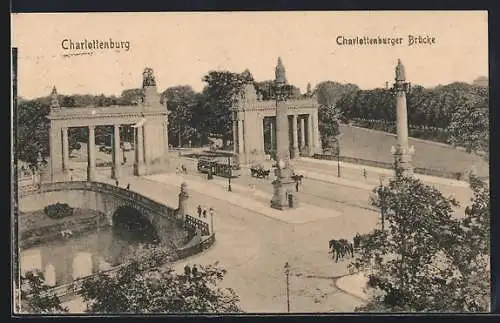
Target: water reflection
65	260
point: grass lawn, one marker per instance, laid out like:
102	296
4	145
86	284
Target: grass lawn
376	145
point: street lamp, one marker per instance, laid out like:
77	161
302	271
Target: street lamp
229	189
287	274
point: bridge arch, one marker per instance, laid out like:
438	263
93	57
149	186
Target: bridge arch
131	220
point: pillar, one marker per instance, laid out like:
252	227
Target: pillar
310	139
235	134
241	140
316	137
91	154
65	149
262	145
139	153
302	133
55	144
183	199
116	168
271	133
295	137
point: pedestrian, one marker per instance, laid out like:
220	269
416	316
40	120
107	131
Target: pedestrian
128	186
117	183
199	211
204	214
297	186
364	172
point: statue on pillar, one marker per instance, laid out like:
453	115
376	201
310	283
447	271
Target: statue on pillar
54	104
148	78
280	72
400	71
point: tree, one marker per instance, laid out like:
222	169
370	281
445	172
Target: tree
220	95
182	104
139	287
32	131
417	262
469	126
328	93
36	297
329	122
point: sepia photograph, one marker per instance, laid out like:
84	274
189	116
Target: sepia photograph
250	162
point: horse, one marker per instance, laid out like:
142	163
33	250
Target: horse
340	248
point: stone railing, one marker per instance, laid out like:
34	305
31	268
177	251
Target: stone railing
373	163
206	241
192	222
103	188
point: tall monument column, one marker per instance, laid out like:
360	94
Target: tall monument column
295	136
284	191
402	152
91	154
116	168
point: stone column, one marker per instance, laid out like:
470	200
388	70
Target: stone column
262	145
116	168
241	140
183	198
65	149
139	153
235	133
310	137
295	137
271	133
55	144
302	133
91	154
316	137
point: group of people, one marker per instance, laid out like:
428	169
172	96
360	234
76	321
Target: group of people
203	212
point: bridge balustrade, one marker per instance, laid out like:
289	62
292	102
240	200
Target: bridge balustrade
197	224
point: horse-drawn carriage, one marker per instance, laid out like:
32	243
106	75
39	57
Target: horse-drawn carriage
259	171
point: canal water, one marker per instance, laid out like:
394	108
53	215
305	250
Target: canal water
67	259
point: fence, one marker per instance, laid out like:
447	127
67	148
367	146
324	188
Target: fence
195	223
373	163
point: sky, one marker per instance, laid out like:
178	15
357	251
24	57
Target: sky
182	47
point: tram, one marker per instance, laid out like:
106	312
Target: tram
217	167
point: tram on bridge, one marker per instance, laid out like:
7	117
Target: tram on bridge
218	167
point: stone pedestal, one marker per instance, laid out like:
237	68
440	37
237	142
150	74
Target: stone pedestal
403	162
284	194
183	199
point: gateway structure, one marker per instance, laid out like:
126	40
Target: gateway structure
149	119
248	130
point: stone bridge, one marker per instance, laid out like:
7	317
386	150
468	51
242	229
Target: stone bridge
112	201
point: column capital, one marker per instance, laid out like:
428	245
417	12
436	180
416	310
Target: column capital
91	126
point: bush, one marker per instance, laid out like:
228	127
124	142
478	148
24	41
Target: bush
58	210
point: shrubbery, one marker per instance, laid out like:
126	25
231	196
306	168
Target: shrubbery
58	210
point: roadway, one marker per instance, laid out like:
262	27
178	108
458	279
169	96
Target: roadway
253	248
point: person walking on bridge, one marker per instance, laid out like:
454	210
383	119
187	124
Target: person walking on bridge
199	211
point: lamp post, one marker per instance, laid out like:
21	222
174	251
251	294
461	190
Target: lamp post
229	189
287	274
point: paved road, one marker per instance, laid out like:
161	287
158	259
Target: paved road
253	248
